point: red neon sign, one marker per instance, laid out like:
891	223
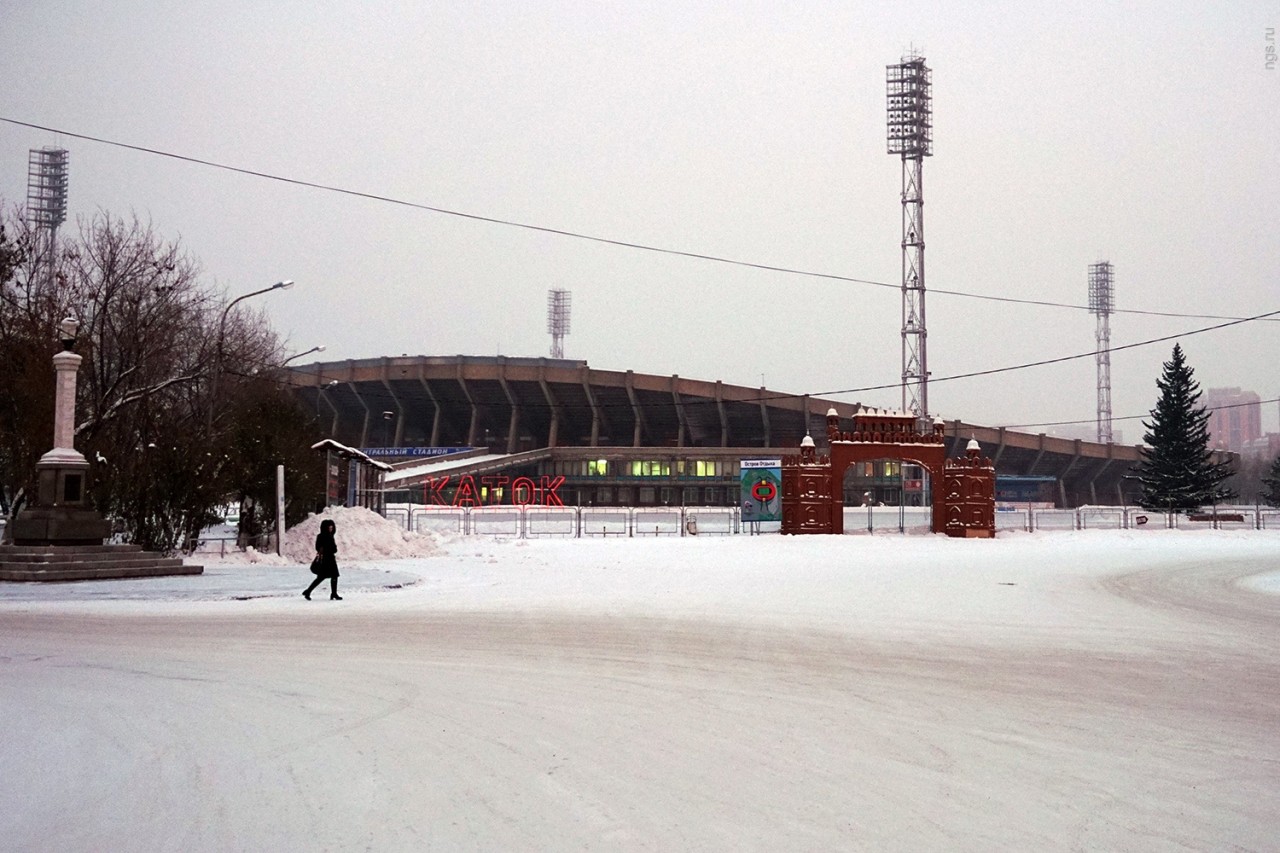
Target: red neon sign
524	491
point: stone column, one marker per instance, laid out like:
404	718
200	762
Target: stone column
65	364
61	513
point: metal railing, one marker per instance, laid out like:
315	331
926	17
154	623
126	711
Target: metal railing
533	522
539	522
1136	518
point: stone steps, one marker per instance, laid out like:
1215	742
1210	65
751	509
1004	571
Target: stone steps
86	562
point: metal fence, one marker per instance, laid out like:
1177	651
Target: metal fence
539	522
1135	518
535	522
532	522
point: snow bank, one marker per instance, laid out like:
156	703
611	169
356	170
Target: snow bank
361	535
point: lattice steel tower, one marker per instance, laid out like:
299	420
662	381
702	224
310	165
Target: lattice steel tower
1102	303
558	303
46	197
910	132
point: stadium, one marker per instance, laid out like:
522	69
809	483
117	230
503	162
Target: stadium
622	438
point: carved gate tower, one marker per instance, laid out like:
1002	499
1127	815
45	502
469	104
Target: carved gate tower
970	495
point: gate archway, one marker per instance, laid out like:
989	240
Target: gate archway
881	435
813	495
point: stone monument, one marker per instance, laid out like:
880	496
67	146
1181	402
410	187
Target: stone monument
60	536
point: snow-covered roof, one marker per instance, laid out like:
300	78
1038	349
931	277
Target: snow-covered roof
361	456
426	469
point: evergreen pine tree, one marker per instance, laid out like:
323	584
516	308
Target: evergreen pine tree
1177	471
1271	494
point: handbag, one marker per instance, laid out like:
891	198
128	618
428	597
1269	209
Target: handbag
315	566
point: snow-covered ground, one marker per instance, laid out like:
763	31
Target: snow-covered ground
1095	690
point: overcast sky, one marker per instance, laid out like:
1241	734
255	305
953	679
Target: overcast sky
1141	133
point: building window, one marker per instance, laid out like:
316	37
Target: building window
704	468
646	495
650	468
598	468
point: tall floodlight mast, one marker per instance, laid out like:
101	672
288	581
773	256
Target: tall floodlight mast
558	304
1102	303
910	126
46	197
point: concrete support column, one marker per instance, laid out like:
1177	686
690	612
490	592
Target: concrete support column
680	414
764	418
553	431
724	418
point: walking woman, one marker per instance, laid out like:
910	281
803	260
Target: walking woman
326	553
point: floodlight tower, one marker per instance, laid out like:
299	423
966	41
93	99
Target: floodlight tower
1102	303
559	301
910	132
46	196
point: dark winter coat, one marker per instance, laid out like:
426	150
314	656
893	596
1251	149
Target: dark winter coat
327	549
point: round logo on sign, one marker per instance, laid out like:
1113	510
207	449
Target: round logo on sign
764	491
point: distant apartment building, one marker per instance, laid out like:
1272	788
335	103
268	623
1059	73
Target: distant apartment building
1235	418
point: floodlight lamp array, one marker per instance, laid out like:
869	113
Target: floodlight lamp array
909	98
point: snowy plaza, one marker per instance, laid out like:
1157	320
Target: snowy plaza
1089	690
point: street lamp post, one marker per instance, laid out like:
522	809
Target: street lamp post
328	386
386	428
301	354
222	331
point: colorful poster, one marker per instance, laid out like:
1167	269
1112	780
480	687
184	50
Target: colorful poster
761	494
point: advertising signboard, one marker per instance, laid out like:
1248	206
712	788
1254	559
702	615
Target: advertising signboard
761	491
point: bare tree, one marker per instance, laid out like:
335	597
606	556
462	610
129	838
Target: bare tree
153	336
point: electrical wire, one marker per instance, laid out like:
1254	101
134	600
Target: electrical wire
1136	417
1047	361
1270	316
560	232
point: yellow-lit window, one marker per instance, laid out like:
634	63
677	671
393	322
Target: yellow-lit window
598	467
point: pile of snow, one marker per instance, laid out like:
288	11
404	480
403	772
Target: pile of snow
361	535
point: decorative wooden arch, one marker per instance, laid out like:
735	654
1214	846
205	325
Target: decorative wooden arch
813	485
881	435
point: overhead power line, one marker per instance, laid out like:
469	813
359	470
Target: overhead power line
1139	417
1060	359
576	235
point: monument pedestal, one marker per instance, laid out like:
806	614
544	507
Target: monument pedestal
52	525
86	562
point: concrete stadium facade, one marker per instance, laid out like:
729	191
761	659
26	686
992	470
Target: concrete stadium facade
627	438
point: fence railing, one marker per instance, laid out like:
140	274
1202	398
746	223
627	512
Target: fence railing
531	522
1135	518
537	522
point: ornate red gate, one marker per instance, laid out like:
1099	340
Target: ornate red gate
962	490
